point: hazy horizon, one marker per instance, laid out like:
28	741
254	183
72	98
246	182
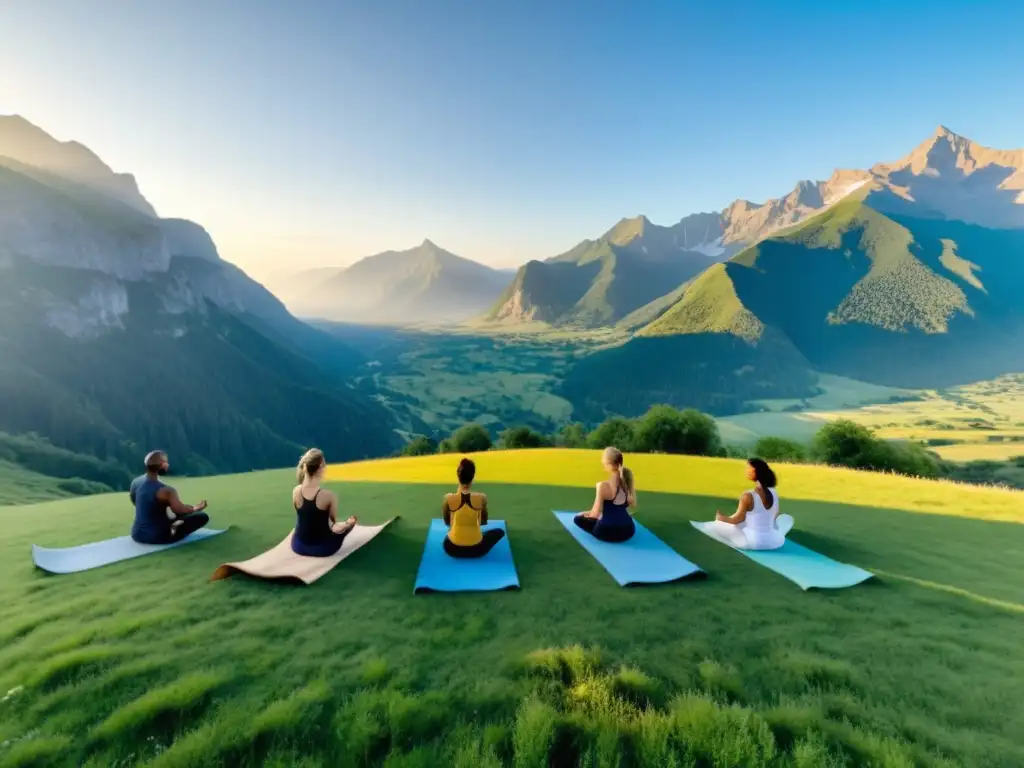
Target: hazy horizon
503	134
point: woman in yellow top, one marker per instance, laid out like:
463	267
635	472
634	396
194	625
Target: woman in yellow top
464	512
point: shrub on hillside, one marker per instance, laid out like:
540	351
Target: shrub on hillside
779	449
844	443
615	431
39	455
663	429
572	436
522	437
469	438
76	486
421	445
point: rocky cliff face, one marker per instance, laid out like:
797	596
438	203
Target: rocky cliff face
21	140
63	208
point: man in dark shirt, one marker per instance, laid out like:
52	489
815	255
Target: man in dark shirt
160	516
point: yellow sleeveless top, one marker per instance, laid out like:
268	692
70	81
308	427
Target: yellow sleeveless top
465	518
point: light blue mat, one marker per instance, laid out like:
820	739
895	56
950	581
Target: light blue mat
644	559
439	572
799	564
89	556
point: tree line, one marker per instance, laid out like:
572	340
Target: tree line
664	429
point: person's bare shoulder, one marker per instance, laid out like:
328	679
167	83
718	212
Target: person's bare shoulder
479	498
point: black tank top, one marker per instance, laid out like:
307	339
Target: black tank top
613	514
313	525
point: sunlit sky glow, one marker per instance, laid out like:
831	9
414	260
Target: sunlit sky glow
313	133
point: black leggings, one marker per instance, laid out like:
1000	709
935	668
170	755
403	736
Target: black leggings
324	548
486	544
612	534
189	525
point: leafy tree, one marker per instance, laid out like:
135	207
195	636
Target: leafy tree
419	446
469	438
572	436
522	437
615	431
780	449
663	429
846	443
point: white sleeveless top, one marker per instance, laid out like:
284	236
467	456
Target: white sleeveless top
760	524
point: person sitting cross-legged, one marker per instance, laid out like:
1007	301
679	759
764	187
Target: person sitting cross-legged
464	512
610	518
317	530
756	523
160	516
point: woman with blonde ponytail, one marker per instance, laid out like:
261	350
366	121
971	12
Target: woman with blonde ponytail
610	518
317	531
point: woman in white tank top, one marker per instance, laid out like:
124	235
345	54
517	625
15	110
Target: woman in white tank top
757	523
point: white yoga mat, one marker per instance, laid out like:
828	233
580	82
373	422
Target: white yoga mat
100	553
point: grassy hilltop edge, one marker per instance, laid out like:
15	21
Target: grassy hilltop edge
742	669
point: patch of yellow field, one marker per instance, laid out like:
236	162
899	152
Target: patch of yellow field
980	451
718	478
966	435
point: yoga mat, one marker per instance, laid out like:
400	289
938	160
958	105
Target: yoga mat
89	556
281	563
800	565
440	572
644	559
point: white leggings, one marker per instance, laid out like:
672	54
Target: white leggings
737	537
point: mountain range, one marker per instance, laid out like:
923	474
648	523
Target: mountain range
425	284
121	331
909	279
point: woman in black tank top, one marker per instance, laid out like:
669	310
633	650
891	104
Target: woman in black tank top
317	532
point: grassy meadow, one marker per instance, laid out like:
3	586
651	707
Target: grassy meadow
983	421
147	663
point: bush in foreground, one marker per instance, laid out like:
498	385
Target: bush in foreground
615	431
420	445
471	438
572	436
522	437
663	429
847	444
780	449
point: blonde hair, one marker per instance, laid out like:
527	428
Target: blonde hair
311	462
613	457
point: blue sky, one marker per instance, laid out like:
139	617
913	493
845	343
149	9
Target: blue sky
312	133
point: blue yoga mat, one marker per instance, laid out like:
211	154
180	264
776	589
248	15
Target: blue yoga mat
800	565
644	559
441	573
89	556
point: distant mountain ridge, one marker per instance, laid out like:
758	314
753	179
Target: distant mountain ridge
121	330
947	176
21	139
425	284
601	281
862	289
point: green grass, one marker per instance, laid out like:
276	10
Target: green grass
146	663
709	305
974	422
19	485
